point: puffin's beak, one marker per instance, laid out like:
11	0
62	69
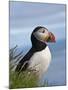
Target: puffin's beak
51	37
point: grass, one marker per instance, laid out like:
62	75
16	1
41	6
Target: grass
23	80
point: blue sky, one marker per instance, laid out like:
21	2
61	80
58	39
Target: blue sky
24	17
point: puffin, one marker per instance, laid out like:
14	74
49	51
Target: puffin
38	58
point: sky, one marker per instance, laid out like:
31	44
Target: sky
25	16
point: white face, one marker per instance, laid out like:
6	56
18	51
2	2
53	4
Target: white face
42	34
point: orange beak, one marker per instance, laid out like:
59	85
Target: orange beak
51	37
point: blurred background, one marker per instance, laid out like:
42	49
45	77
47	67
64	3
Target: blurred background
24	17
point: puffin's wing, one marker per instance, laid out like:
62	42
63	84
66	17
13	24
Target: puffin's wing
24	62
22	65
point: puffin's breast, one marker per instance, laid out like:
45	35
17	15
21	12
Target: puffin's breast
40	60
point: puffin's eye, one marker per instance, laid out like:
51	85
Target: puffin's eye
43	31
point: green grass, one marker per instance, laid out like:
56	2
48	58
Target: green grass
23	80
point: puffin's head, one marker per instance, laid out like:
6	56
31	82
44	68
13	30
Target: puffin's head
42	34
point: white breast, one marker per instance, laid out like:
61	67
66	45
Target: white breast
40	61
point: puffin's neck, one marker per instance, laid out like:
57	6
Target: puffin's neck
37	44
